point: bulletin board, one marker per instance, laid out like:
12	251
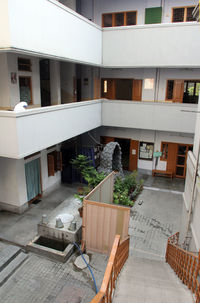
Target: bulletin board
146	151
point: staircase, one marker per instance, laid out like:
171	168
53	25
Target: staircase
150	281
11	257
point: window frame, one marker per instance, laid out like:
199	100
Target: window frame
28	65
185	13
184	80
114	20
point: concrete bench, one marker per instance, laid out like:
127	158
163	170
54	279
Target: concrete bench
162	173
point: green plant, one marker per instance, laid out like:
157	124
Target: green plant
126	190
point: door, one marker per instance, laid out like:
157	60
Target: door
133	160
137	90
105	140
171	157
178	91
33	179
97	85
108	88
181	160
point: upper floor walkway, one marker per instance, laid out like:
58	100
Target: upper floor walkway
35	129
49	29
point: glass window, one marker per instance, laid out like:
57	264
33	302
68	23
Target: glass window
178	14
170	87
131	18
107	20
24	64
25	89
189	16
119	19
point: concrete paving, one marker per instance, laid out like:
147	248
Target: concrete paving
146	277
21	229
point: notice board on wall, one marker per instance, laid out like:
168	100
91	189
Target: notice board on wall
146	151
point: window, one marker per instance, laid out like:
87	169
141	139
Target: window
153	15
24	64
183	91
25	89
164	150
183	14
119	19
54	161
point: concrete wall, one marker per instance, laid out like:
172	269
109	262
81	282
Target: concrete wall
69	3
50	34
173	117
12	185
36	129
161	45
94	9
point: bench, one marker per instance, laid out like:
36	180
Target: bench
162	173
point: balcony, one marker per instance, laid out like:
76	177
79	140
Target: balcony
173	117
36	129
48	28
28	132
156	45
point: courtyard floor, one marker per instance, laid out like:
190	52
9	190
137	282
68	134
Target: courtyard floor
41	280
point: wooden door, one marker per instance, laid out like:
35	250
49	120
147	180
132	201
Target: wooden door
178	91
137	90
105	140
181	160
108	88
133	158
171	157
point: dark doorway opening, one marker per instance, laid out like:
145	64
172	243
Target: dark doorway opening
45	82
125	148
124	89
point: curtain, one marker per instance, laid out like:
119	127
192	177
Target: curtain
32	173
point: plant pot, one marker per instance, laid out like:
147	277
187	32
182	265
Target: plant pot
80	209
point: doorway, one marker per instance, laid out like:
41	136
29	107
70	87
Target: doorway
175	154
33	179
129	150
45	82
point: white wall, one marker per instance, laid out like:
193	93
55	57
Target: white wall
48	181
12	183
34	74
174	117
4	81
36	129
104	6
55	86
162	45
48	28
4	25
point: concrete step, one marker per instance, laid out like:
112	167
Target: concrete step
151	281
12	267
7	254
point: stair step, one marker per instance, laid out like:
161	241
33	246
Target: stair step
7	254
12	267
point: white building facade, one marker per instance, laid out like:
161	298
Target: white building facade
126	71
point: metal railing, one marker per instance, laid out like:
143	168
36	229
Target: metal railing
118	256
185	264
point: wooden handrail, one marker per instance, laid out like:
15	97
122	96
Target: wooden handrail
185	264
118	257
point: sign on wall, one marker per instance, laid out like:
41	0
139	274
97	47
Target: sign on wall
146	151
